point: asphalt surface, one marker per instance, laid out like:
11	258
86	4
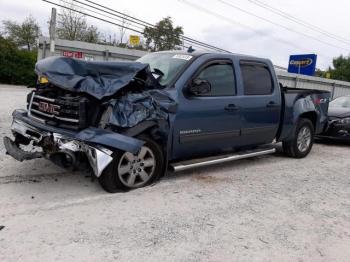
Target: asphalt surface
269	208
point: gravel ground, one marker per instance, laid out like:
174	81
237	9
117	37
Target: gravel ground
269	208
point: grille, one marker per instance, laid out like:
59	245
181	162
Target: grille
64	111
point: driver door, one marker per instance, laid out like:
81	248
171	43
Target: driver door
208	123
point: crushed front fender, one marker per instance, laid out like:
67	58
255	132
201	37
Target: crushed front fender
110	139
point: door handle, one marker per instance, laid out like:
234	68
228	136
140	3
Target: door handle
272	104
231	107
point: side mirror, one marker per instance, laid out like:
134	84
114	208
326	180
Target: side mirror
199	87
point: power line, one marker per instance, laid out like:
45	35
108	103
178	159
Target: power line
120	13
95	12
230	20
277	24
83	13
104	20
125	17
144	23
116	19
130	21
139	21
299	21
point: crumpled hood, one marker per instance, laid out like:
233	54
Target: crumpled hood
339	112
99	79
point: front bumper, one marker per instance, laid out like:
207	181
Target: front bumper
97	144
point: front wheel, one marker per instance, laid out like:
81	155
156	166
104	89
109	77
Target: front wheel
129	171
303	139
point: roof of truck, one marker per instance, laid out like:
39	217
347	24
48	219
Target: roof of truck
197	53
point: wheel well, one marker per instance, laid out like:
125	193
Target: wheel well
312	116
161	139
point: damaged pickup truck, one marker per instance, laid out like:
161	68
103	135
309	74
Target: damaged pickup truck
133	121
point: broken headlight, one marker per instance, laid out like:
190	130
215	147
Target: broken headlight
344	121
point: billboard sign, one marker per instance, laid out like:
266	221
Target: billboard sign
302	64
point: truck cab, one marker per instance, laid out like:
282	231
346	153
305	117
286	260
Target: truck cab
242	107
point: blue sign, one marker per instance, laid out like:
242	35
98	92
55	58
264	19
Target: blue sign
302	64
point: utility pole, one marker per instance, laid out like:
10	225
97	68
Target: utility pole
52	31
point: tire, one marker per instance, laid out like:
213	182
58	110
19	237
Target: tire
303	139
128	171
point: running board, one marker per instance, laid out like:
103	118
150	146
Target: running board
181	166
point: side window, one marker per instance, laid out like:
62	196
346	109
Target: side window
257	79
221	78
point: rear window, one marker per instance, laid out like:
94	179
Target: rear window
257	79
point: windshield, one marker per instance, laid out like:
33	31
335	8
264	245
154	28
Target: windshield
165	66
341	102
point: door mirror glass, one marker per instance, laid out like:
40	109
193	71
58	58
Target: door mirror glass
199	87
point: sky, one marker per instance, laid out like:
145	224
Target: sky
226	24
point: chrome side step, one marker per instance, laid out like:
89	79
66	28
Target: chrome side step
220	159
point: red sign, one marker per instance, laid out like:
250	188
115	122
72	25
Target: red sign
73	54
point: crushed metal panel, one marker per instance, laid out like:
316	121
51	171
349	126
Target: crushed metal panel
110	139
133	108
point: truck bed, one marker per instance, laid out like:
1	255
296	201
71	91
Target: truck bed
312	100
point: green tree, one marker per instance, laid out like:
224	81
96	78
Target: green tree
72	25
16	65
341	68
24	34
91	35
320	73
164	36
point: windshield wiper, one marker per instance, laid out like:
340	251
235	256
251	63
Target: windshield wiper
158	72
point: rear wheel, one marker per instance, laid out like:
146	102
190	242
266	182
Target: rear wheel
303	139
130	171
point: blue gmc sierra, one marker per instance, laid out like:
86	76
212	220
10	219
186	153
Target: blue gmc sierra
173	110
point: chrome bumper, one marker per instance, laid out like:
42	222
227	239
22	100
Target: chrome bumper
99	157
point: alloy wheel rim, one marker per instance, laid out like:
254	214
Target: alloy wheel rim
136	170
304	139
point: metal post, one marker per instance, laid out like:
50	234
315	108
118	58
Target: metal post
52	31
297	78
333	90
296	81
44	50
106	54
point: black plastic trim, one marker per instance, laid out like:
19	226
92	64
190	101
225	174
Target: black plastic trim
257	130
189	138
